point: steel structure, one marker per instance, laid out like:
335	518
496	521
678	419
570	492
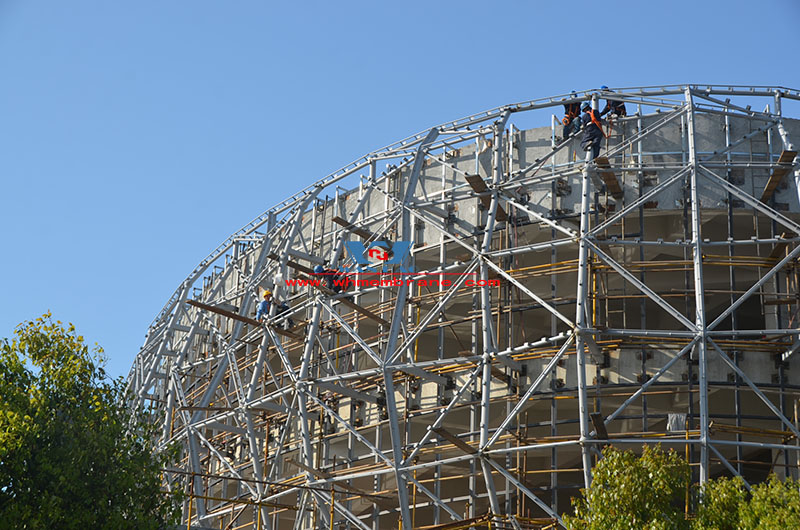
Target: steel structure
550	305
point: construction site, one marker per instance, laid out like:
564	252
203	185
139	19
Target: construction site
504	306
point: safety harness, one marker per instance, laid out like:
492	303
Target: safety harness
596	121
573	112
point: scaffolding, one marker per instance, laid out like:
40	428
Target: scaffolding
533	305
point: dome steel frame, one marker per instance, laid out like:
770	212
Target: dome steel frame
283	424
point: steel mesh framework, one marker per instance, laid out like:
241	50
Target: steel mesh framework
550	305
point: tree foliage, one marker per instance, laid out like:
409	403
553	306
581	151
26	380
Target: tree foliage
719	509
773	504
70	454
632	492
726	505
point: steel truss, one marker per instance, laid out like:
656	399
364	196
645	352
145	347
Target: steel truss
428	406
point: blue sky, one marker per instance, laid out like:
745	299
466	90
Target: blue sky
136	136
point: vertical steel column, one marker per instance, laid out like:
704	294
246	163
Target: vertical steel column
255	457
553	330
437	470
699	294
687	287
302	398
473	412
787	145
732	286
582	295
486	310
377	481
642	278
394	331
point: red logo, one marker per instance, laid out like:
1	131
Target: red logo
378	253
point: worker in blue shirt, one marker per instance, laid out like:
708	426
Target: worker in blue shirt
592	130
262	312
328	276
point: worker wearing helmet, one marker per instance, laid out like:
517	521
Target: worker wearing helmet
592	130
262	311
327	275
613	106
572	116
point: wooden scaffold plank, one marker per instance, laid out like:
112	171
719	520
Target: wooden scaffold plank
608	177
479	186
784	166
240	318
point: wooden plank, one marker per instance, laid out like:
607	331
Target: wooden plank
224	312
780	248
456	441
787	157
499	375
479	186
293	264
424	374
599	425
380	500
345	391
316	472
241	318
288	334
352	305
366	312
783	301
475	522
610	179
308	257
784	165
778	252
357	230
477	183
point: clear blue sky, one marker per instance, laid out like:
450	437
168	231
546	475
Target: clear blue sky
137	135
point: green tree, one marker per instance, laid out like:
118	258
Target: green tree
721	501
774	505
71	455
726	505
630	492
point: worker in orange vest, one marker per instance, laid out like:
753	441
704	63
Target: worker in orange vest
592	130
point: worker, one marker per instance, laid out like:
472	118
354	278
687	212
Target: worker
592	130
613	106
571	119
262	311
328	276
